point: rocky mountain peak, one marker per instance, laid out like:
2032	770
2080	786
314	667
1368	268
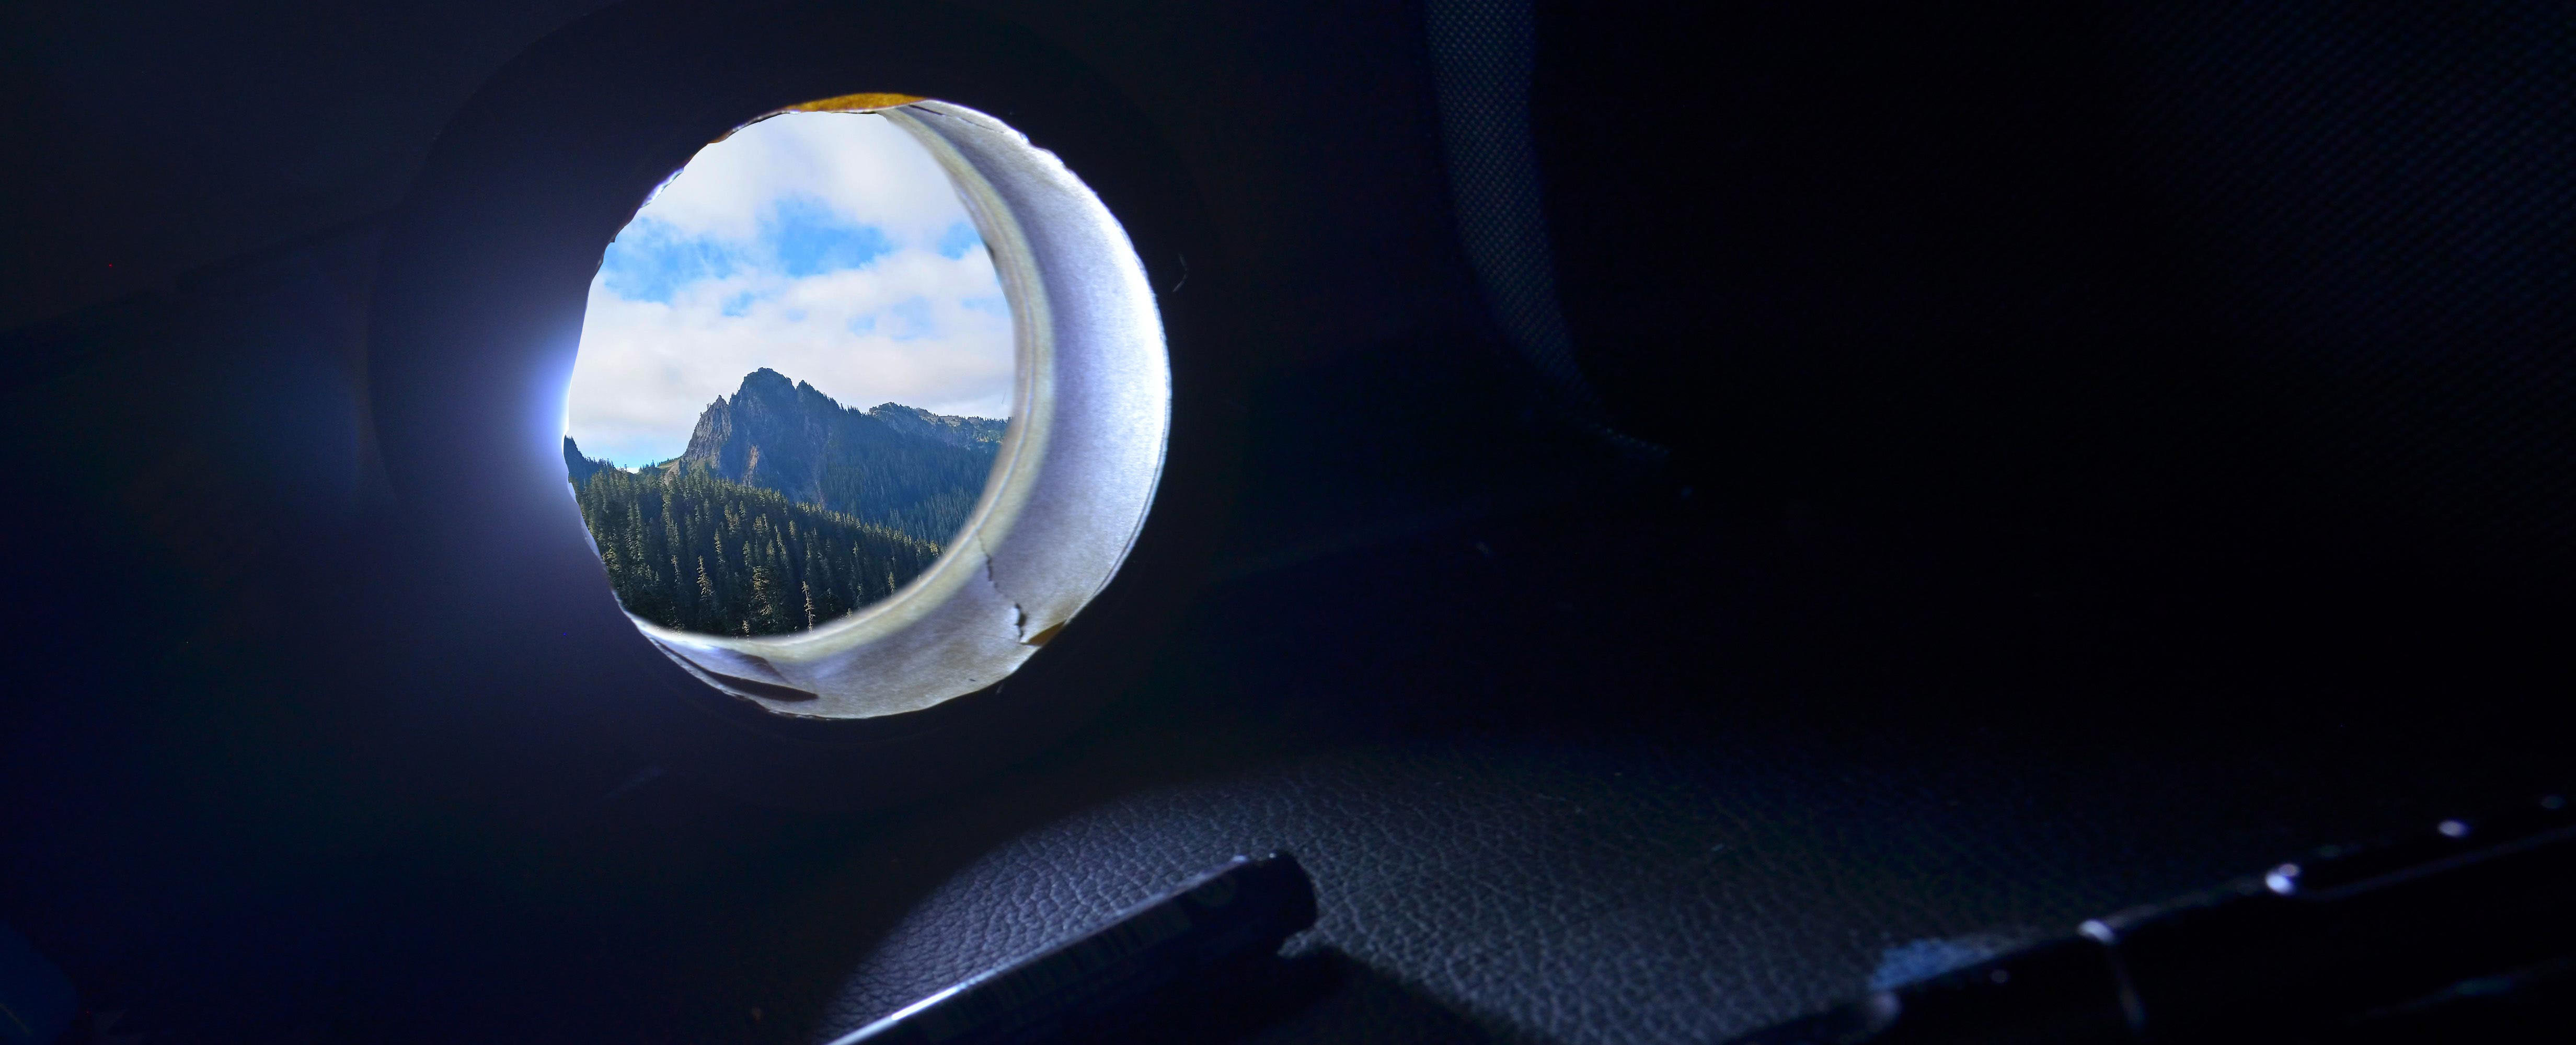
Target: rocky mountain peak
945	428
899	464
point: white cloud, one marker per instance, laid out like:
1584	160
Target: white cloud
910	325
868	170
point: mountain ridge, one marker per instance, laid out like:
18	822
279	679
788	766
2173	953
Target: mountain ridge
893	465
786	510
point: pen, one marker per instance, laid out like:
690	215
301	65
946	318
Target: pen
2313	945
1239	912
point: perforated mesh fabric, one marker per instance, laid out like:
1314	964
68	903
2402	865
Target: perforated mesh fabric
2388	195
1482	52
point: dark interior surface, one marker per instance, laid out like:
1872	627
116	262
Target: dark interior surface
2027	460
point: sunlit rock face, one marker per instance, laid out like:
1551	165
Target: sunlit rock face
982	433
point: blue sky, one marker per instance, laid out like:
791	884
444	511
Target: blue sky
826	246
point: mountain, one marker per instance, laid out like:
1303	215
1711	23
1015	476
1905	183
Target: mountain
969	432
787	509
687	549
581	468
895	466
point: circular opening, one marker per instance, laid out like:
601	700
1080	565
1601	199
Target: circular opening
1003	532
796	271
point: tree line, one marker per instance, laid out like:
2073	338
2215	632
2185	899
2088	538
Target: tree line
688	549
922	488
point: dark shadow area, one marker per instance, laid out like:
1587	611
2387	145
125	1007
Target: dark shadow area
2112	454
1218	1004
2513	1006
1348	1000
1703	758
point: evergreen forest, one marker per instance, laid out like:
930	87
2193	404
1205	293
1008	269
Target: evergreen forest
786	510
686	549
926	491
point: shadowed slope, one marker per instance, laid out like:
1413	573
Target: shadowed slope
895	466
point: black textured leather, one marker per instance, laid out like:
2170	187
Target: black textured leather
1494	864
1539	892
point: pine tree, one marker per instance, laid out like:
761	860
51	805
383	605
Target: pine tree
764	564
